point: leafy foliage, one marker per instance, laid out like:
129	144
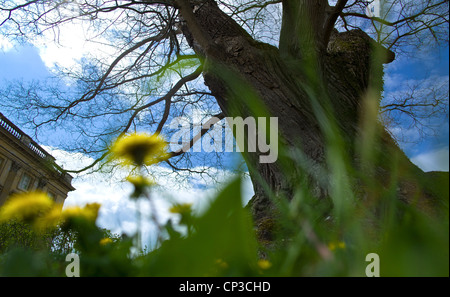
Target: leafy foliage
222	243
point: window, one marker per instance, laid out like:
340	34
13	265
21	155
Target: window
52	196
25	182
2	162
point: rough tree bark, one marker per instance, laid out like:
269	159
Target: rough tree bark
345	71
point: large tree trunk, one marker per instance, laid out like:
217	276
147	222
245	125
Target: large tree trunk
314	86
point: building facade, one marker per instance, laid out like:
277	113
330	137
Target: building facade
26	166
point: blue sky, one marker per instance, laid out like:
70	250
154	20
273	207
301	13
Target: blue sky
26	63
421	68
22	63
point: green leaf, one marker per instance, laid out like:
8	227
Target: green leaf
223	242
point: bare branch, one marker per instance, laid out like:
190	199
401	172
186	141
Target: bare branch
332	18
205	128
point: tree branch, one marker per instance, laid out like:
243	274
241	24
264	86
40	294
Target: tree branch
166	97
205	128
203	39
331	21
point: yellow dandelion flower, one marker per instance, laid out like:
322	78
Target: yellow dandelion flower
89	212
336	245
140	184
185	208
26	206
140	181
105	241
139	149
264	264
50	219
221	263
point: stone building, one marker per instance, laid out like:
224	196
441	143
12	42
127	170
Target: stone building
26	166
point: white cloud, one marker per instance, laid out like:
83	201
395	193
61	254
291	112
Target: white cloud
118	211
437	160
5	44
73	41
